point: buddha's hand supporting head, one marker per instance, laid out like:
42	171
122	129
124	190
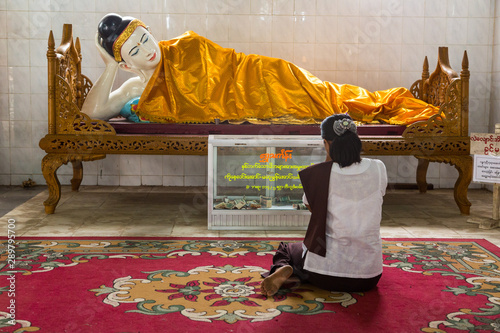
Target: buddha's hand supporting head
129	42
108	59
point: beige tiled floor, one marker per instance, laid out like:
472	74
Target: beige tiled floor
160	211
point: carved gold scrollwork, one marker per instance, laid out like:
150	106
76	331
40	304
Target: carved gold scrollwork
86	86
416	89
71	89
437	89
83	124
446	122
70	120
196	145
68	71
405	146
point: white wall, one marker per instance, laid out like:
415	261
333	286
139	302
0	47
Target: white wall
377	44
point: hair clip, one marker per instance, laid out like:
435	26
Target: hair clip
342	125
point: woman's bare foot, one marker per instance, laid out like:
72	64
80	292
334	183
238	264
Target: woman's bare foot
271	284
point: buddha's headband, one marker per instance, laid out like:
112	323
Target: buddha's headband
342	125
117	45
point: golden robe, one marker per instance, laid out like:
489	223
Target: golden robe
198	81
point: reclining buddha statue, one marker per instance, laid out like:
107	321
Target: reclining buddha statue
190	79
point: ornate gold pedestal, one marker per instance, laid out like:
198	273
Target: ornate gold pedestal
74	137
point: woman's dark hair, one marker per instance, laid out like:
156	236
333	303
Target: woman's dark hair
344	149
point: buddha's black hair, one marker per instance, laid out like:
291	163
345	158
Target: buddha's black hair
109	28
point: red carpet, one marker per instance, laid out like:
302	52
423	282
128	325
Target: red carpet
212	285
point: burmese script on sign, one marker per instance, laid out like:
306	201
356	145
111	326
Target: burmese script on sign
485	144
269	169
486	169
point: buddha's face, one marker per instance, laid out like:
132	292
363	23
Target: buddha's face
141	50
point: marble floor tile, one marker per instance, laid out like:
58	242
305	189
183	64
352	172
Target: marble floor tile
281	234
52	231
148	230
237	233
108	228
193	231
394	232
432	231
155	211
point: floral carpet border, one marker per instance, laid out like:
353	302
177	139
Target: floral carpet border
473	262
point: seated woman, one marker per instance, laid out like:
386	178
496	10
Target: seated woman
342	248
190	79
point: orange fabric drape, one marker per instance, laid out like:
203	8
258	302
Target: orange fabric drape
200	81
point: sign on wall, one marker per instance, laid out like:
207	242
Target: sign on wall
486	169
485	144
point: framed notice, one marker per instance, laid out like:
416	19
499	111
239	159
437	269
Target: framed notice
486	169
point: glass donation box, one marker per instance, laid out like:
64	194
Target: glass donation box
253	181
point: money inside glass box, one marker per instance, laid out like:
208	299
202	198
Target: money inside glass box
261	177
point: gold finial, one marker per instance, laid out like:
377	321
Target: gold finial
465	61
426	66
52	44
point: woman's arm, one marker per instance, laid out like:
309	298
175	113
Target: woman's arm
306	203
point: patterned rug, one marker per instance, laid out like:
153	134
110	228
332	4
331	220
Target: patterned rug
212	285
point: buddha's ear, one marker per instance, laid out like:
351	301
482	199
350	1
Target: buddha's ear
123	65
